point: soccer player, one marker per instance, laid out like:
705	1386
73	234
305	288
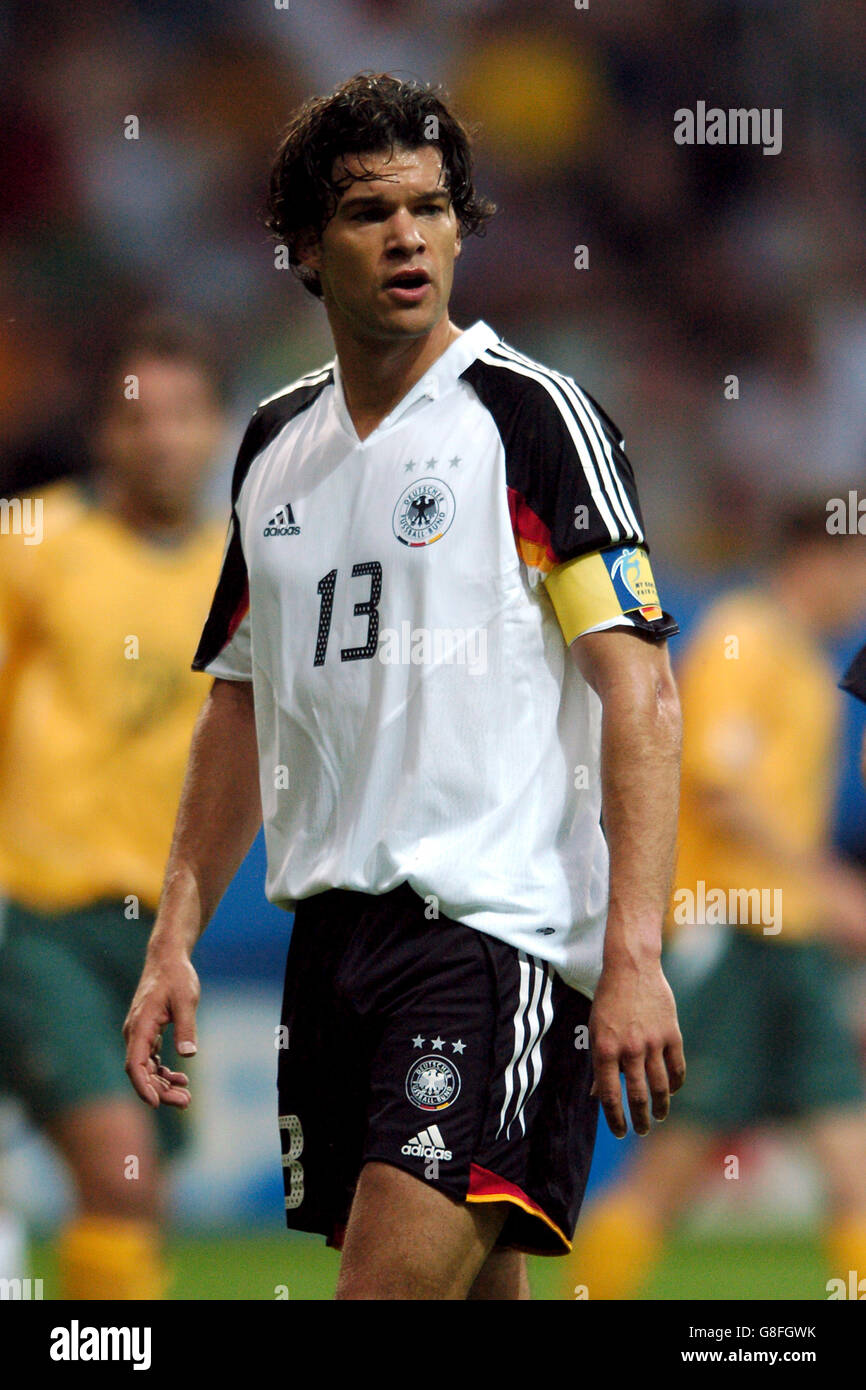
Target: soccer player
99	602
763	910
439	656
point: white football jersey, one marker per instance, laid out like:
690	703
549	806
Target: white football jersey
403	606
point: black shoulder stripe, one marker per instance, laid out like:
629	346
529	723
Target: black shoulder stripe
566	493
267	422
613	431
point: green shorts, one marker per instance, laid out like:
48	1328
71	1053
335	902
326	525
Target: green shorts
66	983
765	1028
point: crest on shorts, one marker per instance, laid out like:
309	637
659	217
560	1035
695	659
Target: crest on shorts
432	1083
424	512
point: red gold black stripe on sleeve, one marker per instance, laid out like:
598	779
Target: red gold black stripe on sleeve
531	535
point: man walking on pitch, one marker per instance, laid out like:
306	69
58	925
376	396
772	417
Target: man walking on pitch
434	820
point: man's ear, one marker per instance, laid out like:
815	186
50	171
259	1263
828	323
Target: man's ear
458	247
308	248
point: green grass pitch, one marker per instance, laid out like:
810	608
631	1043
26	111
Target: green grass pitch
255	1266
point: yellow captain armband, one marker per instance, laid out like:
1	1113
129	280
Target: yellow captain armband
608	588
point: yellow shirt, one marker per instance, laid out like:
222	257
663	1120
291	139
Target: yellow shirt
760	718
97	701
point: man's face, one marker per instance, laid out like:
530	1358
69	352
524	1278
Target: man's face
386	258
158	447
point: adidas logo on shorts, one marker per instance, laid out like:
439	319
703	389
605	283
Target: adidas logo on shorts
282	523
430	1143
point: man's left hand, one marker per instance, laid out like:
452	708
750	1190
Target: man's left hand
633	1029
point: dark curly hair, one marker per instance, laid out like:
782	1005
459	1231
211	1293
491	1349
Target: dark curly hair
371	113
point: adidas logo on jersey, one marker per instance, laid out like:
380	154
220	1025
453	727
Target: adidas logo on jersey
430	1143
282	523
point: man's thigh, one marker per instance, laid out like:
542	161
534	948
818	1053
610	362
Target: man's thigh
406	1239
503	1277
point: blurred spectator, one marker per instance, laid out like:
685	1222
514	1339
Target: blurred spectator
763	913
102	591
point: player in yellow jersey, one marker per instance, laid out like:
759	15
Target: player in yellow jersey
762	914
103	590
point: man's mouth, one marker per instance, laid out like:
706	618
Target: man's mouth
408	286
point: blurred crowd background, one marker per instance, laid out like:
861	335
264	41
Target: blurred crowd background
703	262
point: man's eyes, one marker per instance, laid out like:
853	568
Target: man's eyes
379	214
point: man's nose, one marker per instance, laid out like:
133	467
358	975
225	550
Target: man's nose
404	233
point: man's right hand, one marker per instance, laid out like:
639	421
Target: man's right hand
219	813
168	992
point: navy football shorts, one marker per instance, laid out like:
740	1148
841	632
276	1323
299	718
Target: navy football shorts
430	1046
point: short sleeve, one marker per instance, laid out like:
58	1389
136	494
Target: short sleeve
224	649
575	511
234	661
225	646
571	486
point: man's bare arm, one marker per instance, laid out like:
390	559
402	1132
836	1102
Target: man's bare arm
633	1024
217	820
